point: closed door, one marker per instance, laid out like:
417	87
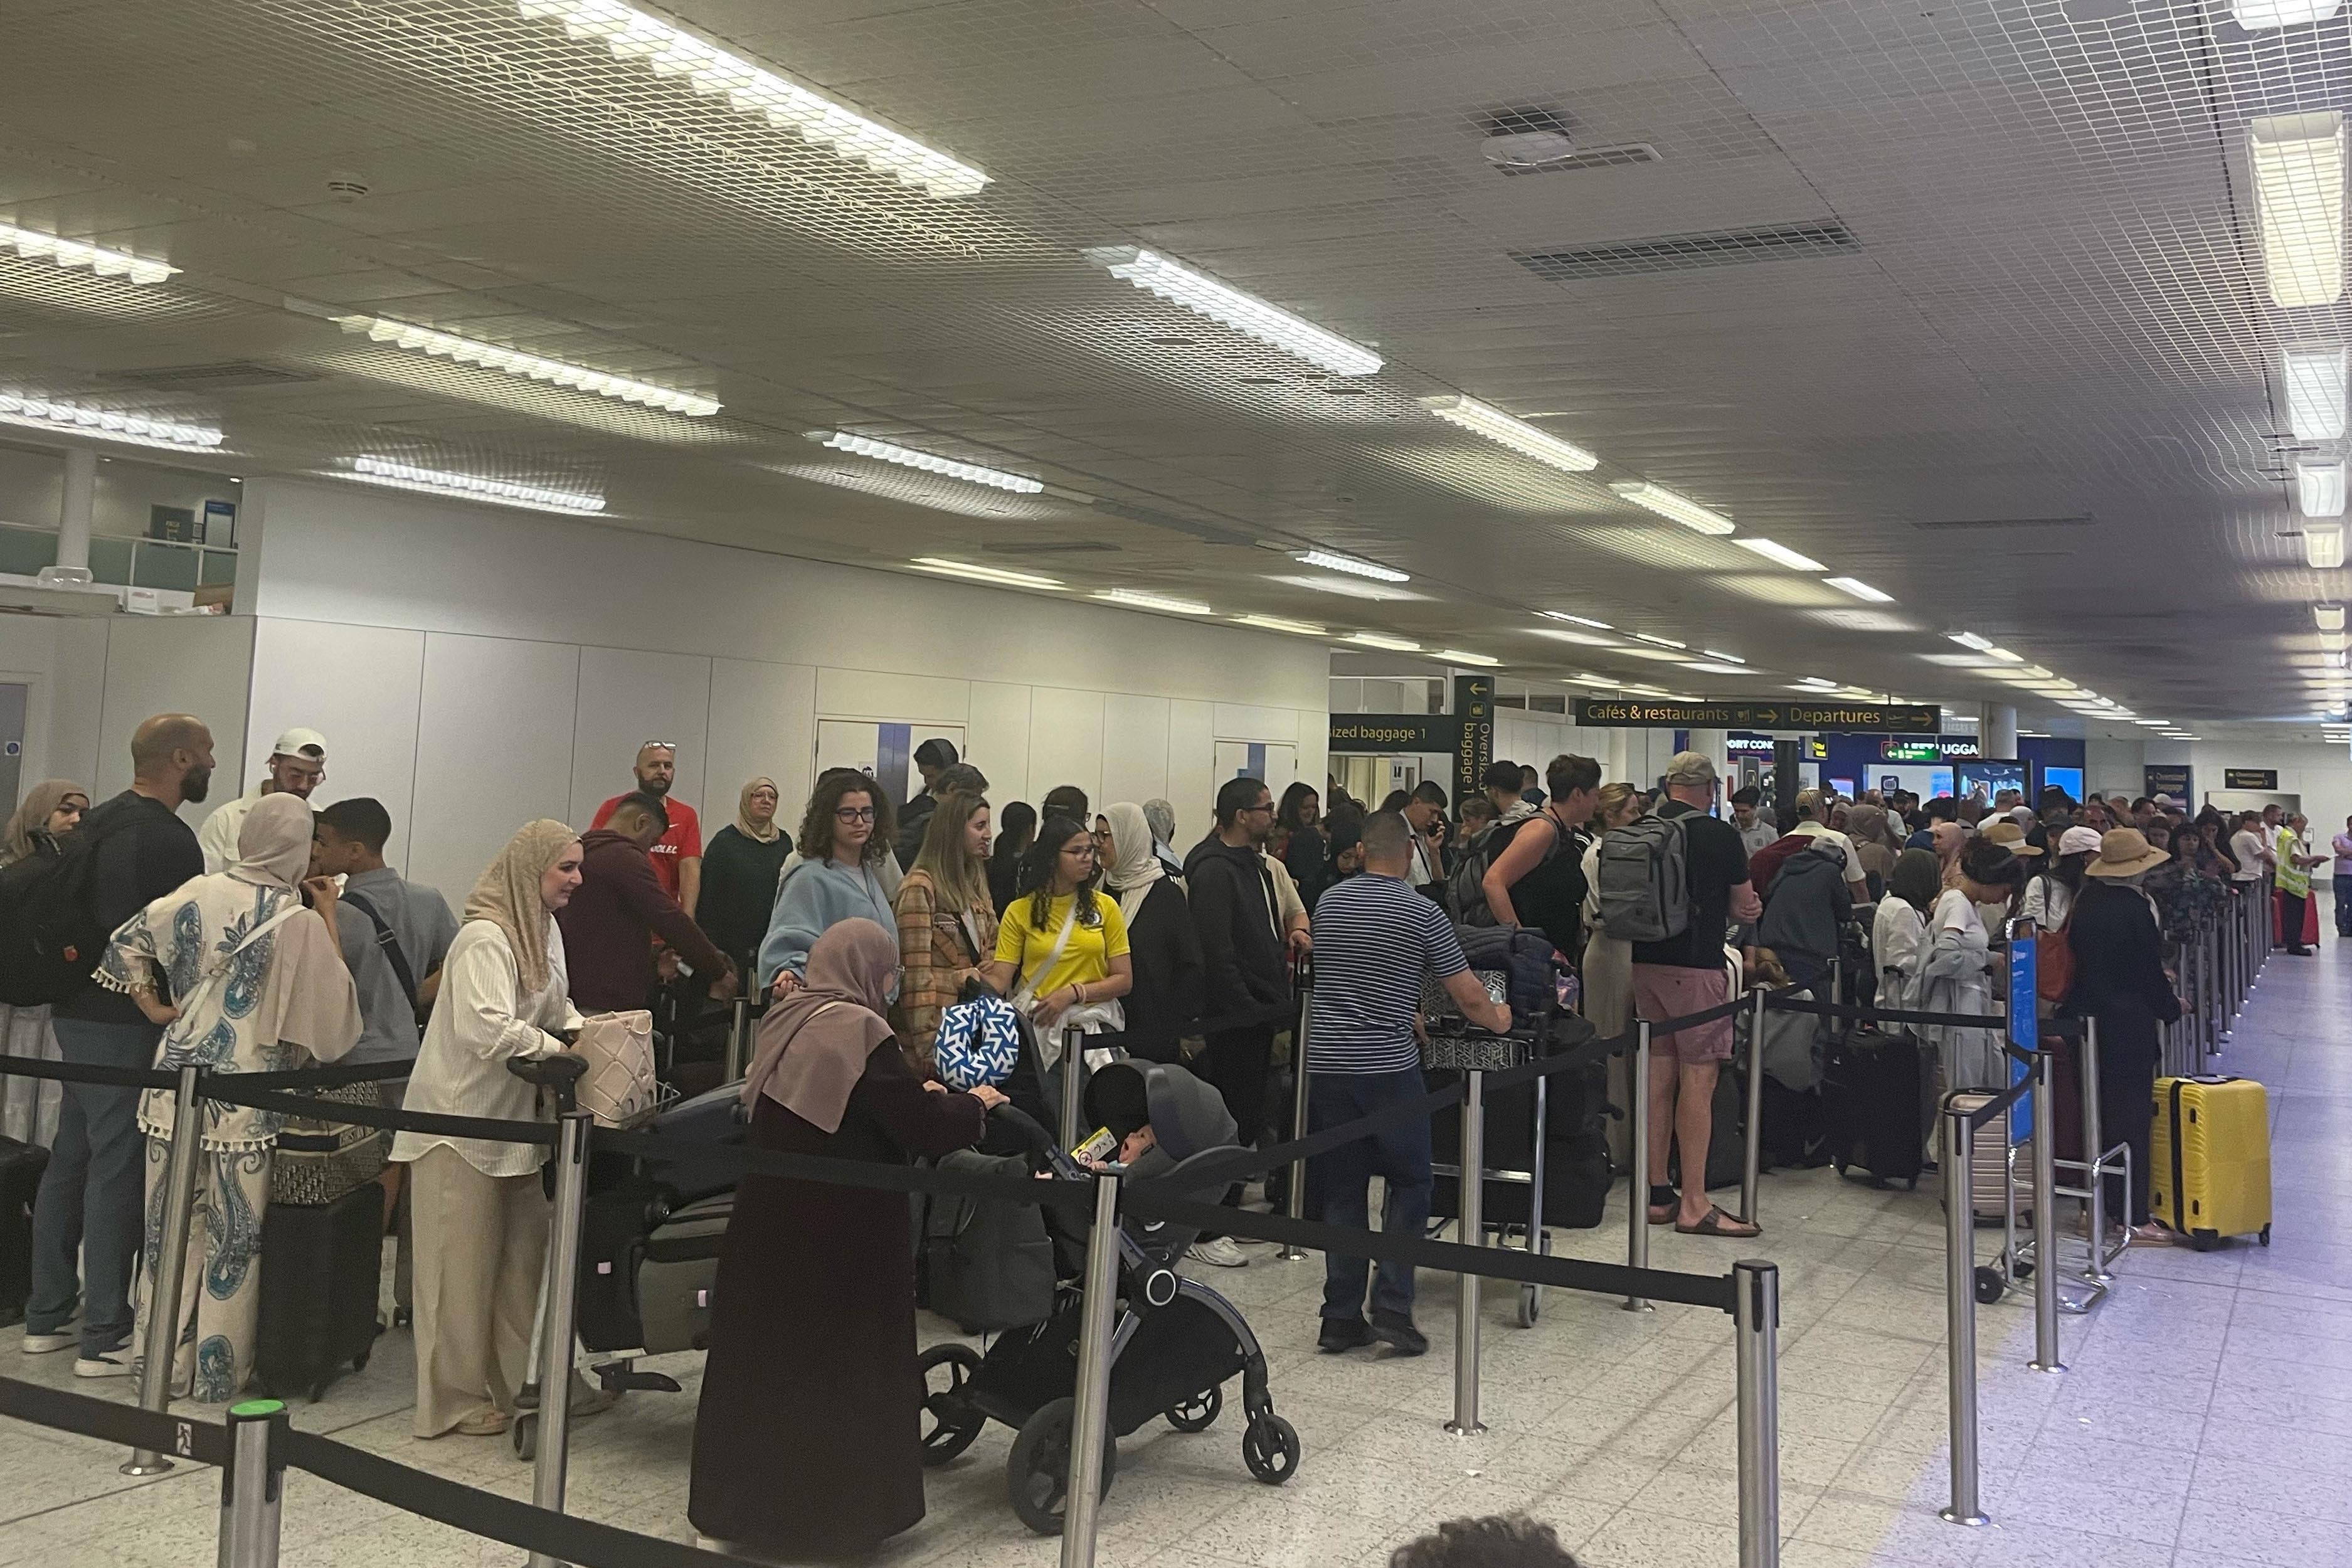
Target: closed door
13	698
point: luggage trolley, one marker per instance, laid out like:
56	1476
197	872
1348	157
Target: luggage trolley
1455	1047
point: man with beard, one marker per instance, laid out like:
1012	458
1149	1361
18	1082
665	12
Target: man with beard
677	853
298	765
91	1195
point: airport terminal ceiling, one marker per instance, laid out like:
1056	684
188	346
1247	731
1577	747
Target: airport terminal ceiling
1993	309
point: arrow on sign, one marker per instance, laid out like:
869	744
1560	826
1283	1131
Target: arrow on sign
1767	716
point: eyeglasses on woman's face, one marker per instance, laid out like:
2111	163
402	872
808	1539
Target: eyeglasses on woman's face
853	813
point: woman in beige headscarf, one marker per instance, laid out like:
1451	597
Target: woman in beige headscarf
28	1106
740	868
480	1214
806	1443
256	984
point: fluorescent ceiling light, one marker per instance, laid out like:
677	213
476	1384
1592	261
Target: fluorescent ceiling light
1815	683
2323	546
1455	655
1663	655
1662	642
470	486
1350	587
930	462
2258	16
531	367
2329	617
73	253
1680	509
72	419
2314	376
670	51
1779	553
1582	639
1580	620
1858	589
1268	323
1970	639
2154	723
996	575
1137	599
1350	564
1375	639
2319	488
1516	434
1705	668
1726	657
2298	167
2003	655
1277	623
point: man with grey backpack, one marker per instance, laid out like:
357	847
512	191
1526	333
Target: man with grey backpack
1671	882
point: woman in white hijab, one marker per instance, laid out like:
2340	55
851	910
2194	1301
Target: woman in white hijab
1162	941
256	984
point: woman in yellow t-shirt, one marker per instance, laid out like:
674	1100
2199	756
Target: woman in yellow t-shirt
1092	968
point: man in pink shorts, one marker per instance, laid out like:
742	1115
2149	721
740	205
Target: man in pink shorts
1683	974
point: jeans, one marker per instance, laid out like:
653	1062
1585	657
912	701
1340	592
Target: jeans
1338	1183
2343	905
92	1193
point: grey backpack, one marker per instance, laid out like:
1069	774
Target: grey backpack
1644	875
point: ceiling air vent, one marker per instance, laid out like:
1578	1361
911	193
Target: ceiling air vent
1539	141
213	377
1681	252
2081	519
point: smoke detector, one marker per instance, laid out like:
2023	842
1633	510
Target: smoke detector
1520	152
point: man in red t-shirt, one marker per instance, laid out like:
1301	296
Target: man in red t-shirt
677	853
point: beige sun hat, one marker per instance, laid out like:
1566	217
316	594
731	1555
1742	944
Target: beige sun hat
2124	852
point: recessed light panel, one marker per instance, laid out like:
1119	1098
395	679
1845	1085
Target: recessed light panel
1679	507
530	367
74	419
1516	434
2298	169
74	254
998	575
1777	553
2314	377
472	487
1329	562
930	462
1268	323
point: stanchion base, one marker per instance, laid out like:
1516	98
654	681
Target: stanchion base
2053	1366
1952	1516
1292	1255
1475	1430
146	1465
1636	1306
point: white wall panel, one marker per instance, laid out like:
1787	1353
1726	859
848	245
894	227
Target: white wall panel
358	686
1313	749
1192	769
180	664
867	694
999	733
1248	722
1066	741
493	751
1135	749
627	698
763	724
77	695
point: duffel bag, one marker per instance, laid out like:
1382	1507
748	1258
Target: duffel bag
1526	958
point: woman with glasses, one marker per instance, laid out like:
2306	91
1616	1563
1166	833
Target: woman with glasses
844	837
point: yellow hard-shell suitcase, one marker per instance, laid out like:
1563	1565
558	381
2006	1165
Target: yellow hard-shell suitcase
2210	1160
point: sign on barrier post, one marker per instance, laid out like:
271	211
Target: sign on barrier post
1637	1197
171	1266
555	1339
1757	1316
252	1483
1090	1420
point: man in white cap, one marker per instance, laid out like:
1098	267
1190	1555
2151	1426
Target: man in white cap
298	765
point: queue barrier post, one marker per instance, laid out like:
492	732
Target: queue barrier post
1090	1420
1751	1173
1073	1086
556	1333
2093	1150
1954	1139
2045	1217
1294	1203
252	1485
1756	1313
1470	1194
1637	1195
164	1282
738	1038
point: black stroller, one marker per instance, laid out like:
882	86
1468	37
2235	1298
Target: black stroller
1175	1343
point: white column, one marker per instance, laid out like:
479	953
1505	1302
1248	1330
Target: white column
1715	743
73	518
1997	731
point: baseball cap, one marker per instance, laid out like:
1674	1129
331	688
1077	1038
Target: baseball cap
2079	841
298	741
1690	768
2165	800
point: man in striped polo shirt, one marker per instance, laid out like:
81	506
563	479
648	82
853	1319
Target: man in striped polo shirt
1375	938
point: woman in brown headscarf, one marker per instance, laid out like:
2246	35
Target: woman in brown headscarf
806	1443
51	807
28	1106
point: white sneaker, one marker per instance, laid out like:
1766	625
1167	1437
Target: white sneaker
42	1344
1220	1253
114	1363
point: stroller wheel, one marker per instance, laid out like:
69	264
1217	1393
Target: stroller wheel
1990	1286
950	1424
1199	1413
525	1430
1037	1471
1270	1449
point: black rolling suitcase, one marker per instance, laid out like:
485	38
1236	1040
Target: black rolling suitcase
21	1165
321	1268
1870	1092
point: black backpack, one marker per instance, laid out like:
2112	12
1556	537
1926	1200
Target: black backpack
1466	889
50	938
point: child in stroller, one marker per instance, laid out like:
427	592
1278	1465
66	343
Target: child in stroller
1175	1343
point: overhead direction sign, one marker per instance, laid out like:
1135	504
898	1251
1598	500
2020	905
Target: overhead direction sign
1873	718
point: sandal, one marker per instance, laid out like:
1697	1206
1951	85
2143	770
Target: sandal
486	1422
1715	1222
1664	1204
2150	1235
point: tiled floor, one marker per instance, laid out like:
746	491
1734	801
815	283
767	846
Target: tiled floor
2205	1421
